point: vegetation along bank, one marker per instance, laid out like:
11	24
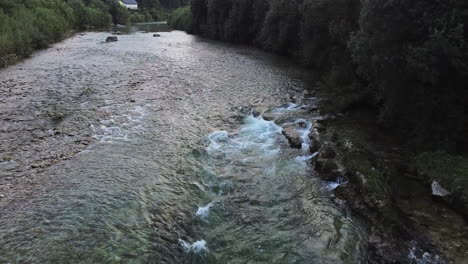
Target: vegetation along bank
28	25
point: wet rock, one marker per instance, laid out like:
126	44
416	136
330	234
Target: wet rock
245	110
268	116
156	35
111	39
325	165
293	137
331	176
310	108
255	113
438	190
325	120
320	127
314	147
302	124
327	151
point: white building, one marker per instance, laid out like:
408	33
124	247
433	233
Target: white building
130	4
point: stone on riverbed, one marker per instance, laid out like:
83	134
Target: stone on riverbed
111	39
294	138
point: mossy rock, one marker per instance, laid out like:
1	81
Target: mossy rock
451	171
327	151
372	182
325	165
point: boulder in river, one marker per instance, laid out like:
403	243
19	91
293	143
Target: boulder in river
111	39
294	138
156	35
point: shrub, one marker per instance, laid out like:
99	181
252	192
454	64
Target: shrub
97	18
181	18
137	18
26	25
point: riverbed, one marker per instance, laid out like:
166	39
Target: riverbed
154	150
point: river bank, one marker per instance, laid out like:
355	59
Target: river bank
381	183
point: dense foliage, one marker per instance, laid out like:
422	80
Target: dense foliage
26	25
181	18
407	58
155	10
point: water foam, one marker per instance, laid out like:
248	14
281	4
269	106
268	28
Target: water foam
120	128
257	136
426	257
204	212
198	247
332	185
304	158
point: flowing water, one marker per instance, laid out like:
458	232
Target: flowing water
151	150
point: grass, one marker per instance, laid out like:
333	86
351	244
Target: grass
450	170
357	161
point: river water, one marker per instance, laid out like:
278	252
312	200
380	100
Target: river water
151	150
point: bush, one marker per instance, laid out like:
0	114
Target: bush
26	25
119	13
181	18
97	18
137	18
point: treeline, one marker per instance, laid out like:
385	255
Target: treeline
26	25
180	18
408	59
155	10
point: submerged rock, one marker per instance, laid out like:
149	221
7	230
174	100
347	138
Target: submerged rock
269	116
111	39
293	137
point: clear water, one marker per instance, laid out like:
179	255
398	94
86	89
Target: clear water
175	170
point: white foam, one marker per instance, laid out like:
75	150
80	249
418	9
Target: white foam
287	106
257	137
426	257
120	128
219	136
204	211
330	186
198	247
304	158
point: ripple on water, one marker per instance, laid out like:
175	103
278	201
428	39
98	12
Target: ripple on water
275	212
132	197
121	128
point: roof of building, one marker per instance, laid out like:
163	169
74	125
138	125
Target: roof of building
129	2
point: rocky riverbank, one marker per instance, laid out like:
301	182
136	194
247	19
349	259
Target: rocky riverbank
380	181
377	179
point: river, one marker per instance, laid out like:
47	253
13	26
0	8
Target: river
152	150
